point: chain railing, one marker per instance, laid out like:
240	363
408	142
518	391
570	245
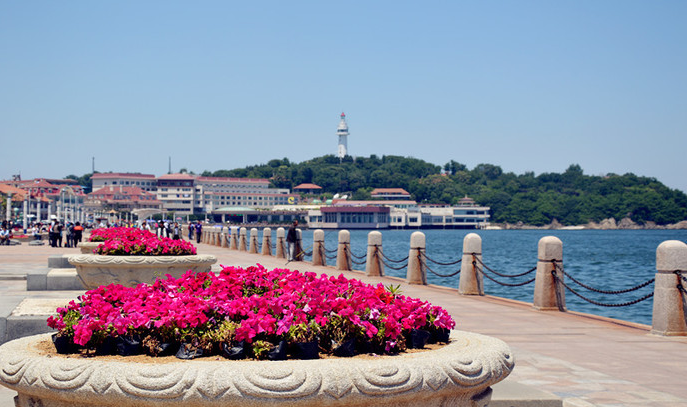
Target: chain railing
424	259
559	281
386	260
681	287
476	260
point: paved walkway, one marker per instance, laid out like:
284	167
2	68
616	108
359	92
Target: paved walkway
585	360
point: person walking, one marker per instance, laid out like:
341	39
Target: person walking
292	240
78	233
190	232
199	229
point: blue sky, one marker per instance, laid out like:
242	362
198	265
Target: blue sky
526	85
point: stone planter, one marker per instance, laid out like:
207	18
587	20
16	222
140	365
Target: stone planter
458	374
88	247
95	270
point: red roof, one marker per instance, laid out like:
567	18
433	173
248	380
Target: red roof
307	186
122	175
389	191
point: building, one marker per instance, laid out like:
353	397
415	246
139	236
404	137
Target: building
308	189
43	198
402	214
342	132
146	182
390	194
121	199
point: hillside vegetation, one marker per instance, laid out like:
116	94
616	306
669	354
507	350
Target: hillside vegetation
571	198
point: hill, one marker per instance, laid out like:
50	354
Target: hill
571	198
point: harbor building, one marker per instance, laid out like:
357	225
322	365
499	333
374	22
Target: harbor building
146	182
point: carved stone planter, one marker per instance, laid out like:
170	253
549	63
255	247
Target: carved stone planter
96	270
458	374
88	247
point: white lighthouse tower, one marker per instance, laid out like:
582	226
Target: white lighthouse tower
342	132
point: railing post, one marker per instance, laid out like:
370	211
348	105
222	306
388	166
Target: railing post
281	234
300	252
343	253
223	237
669	301
216	236
547	294
318	252
234	238
416	271
471	279
253	248
373	265
242	239
266	242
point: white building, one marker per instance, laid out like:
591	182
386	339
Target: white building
146	182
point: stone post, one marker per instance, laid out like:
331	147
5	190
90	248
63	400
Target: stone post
223	237
343	253
253	247
300	251
25	222
266	242
319	255
471	277
242	239
669	301
8	211
546	295
416	271
281	235
234	238
374	265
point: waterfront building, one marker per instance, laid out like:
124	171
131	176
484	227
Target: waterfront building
349	217
44	197
146	182
342	132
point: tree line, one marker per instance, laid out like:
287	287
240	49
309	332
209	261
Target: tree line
571	197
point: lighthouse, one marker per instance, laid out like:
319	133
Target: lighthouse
342	132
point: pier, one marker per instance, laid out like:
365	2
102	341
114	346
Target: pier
580	360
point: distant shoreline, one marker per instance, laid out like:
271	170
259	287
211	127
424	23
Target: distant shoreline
606	224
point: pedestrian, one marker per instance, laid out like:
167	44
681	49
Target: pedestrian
4	235
176	231
78	233
190	232
199	229
70	235
52	231
292	240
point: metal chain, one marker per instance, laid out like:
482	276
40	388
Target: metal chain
354	255
474	263
501	274
424	264
381	258
612	292
395	261
440	263
330	251
601	304
679	274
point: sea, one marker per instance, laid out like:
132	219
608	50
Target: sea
607	260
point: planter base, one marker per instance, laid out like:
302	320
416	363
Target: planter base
96	270
458	374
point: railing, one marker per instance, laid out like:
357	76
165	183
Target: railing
551	280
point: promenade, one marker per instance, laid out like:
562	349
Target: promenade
583	359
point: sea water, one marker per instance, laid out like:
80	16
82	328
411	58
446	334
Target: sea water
608	260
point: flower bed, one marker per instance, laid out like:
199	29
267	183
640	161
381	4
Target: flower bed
249	312
136	242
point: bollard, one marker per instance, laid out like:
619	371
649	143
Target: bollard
253	247
266	242
299	251
280	252
319	255
416	271
668	317
224	237
373	265
215	237
343	253
242	239
471	277
234	238
219	234
547	296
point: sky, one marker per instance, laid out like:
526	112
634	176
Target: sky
525	85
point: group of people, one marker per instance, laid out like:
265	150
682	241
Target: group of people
56	231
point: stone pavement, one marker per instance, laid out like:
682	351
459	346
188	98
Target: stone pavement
583	359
